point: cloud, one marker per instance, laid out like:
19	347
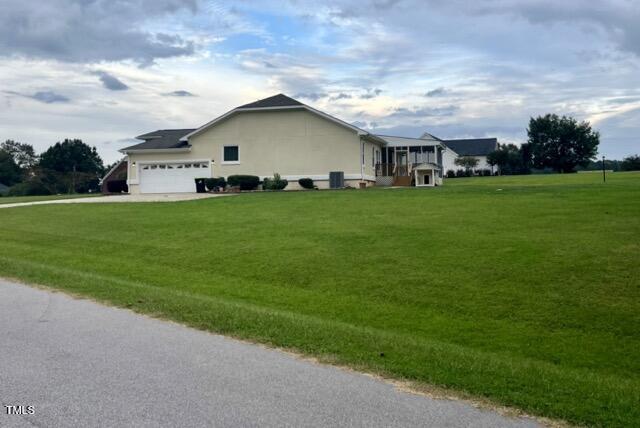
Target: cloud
371	93
313	96
340	96
419	112
111	82
91	31
436	92
179	93
47	97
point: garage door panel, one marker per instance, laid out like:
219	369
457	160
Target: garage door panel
171	178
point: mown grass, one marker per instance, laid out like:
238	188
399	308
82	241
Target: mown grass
20	199
523	290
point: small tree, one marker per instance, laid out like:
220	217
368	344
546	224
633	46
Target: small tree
467	162
561	143
511	159
9	170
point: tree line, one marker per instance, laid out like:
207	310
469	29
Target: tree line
69	166
559	144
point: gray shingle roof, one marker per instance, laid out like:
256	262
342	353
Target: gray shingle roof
473	146
161	139
394	141
279	100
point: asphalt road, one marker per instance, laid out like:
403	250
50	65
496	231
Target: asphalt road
79	363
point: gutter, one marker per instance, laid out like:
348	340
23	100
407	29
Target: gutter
140	151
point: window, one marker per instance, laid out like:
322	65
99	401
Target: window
231	154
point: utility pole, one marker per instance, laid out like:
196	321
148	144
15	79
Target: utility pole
604	175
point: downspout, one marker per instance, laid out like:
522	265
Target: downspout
361	159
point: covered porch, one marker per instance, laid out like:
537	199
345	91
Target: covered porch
409	162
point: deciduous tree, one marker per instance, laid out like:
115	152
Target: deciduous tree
561	143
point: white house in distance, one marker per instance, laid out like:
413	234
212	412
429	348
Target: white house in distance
281	135
478	148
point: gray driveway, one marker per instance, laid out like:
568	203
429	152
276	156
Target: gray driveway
79	363
149	197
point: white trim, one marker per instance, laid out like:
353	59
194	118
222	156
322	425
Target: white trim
224	162
322	177
140	151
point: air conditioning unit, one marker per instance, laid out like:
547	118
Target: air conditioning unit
336	179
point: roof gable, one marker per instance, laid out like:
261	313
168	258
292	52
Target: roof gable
473	146
280	100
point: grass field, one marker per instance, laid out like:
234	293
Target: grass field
523	290
20	199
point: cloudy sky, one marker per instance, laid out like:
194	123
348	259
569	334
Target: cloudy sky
106	71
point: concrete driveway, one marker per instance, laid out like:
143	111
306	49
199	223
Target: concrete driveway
78	363
155	197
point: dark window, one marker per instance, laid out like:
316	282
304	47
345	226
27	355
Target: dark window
231	154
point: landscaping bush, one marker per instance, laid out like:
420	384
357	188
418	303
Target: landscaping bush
29	188
275	183
245	182
485	172
215	182
306	183
461	173
117	186
451	173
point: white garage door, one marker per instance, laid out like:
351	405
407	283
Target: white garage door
171	177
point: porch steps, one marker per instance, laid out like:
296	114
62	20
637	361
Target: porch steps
402	180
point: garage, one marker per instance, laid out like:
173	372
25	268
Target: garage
175	177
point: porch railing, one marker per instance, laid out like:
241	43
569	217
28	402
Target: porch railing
393	170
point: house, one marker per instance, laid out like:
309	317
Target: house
475	147
280	135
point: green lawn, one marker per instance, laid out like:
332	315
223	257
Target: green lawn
20	199
523	290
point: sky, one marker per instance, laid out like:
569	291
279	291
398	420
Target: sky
106	71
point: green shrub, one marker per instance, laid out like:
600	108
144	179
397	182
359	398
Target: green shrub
215	182
275	183
306	183
245	182
451	173
461	173
29	188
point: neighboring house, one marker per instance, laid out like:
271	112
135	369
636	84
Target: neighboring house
279	135
476	147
